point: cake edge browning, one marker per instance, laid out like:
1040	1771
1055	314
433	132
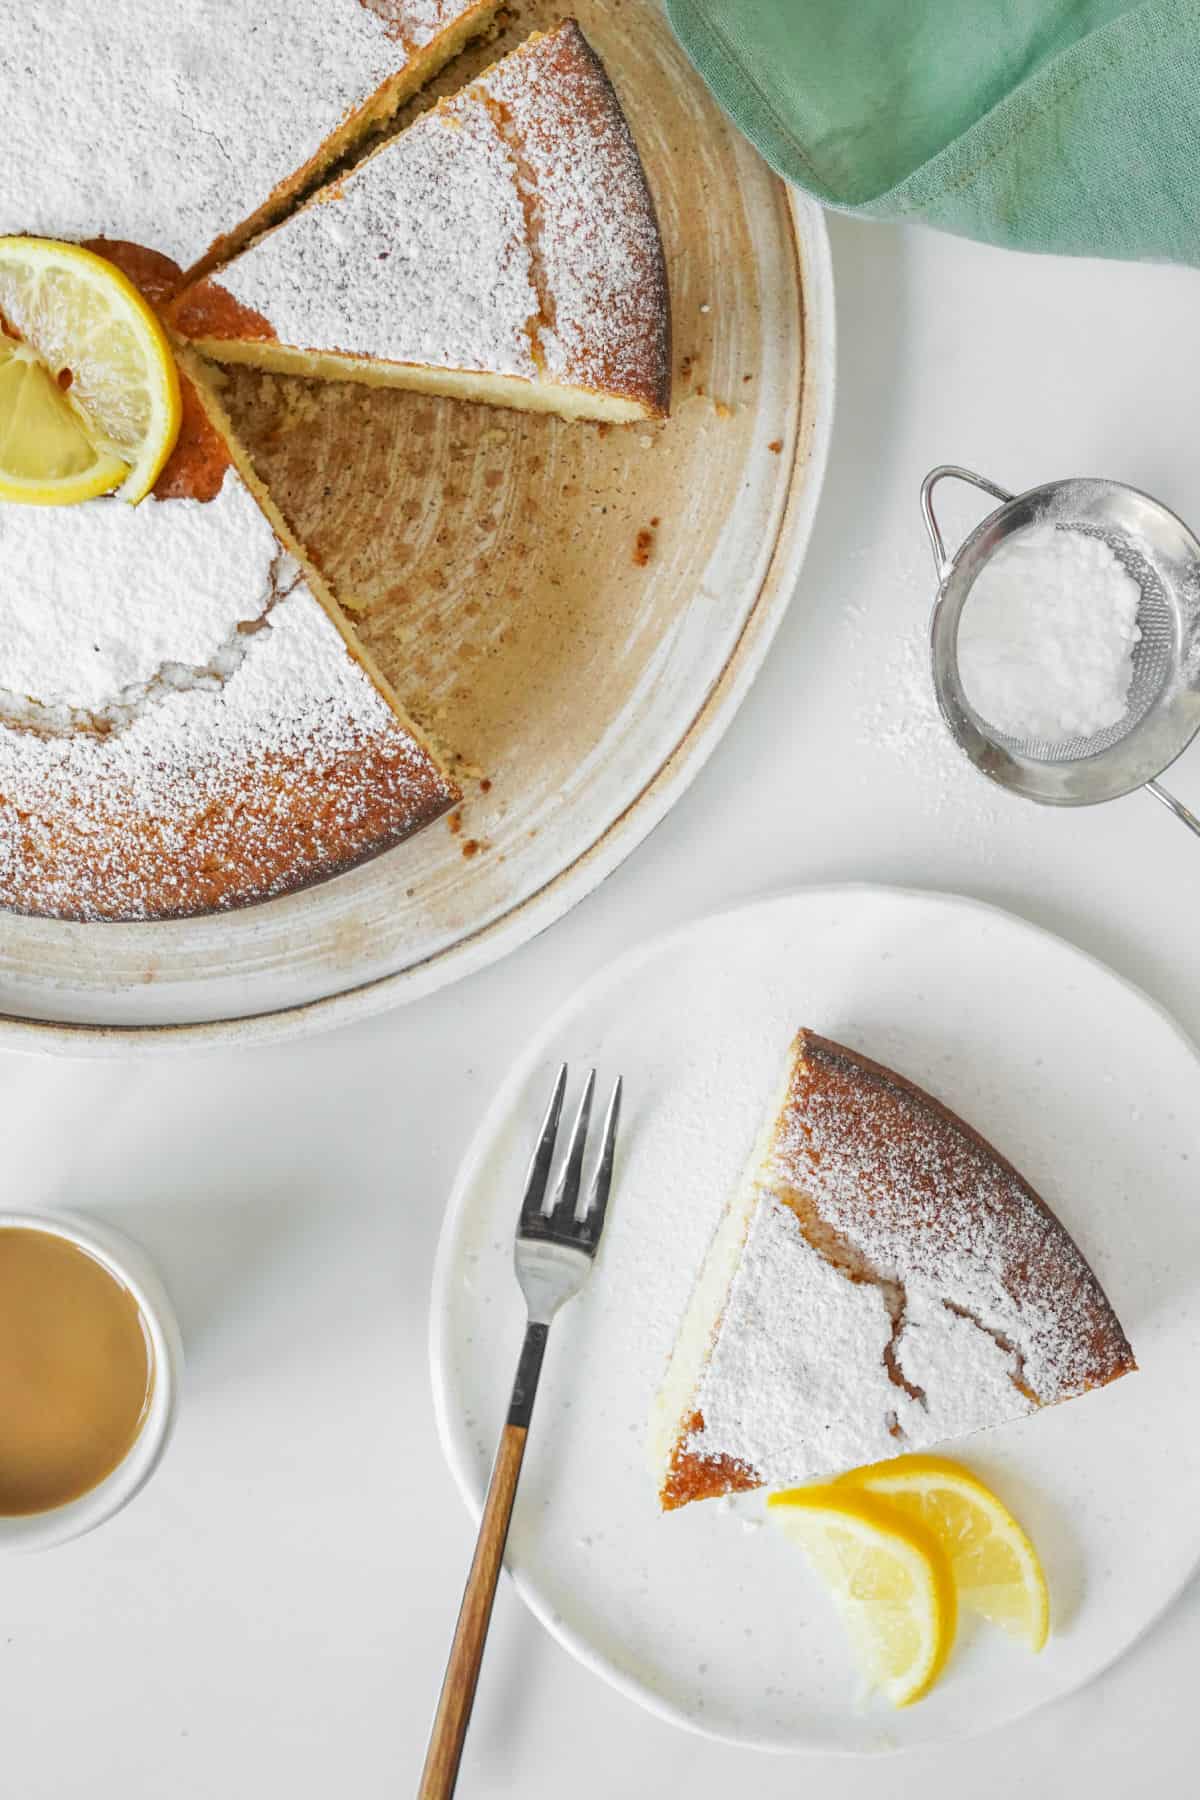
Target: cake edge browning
652	383
243	880
690	1475
1112	1350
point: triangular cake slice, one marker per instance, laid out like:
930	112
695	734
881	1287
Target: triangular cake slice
177	128
883	1281
503	248
186	722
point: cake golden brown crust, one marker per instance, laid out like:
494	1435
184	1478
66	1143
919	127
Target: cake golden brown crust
896	1193
1041	1265
640	366
271	829
692	1477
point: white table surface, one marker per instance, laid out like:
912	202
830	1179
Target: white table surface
271	1615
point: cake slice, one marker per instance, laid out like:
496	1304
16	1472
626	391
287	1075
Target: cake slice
503	248
185	129
186	723
883	1281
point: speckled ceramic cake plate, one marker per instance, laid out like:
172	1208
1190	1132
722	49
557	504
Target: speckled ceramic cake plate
577	610
708	1616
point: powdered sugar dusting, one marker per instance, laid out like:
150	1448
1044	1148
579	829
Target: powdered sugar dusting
185	118
232	754
85	619
797	1384
596	236
420	256
509	229
898	1285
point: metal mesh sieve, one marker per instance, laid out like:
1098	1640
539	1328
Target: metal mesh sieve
1162	712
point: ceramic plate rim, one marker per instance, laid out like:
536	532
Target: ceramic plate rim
663	787
573	1642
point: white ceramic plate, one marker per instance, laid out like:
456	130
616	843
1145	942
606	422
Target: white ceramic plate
700	1615
491	561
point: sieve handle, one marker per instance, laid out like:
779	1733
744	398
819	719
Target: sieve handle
1176	806
941	562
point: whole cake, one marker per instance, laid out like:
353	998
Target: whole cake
187	128
504	248
883	1281
183	725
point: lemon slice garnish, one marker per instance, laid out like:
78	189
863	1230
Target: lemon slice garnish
103	350
46	455
888	1577
995	1567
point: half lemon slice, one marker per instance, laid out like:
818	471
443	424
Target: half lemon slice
888	1577
46	455
995	1566
106	355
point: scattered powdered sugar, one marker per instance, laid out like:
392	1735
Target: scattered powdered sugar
898	1285
509	228
1047	635
255	753
184	118
903	744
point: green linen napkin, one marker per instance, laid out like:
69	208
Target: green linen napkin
1067	125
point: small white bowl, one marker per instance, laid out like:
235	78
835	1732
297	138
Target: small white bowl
132	1268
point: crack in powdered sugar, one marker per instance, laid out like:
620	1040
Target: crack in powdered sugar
543	320
211	736
1002	1341
844	1255
22	713
898	1285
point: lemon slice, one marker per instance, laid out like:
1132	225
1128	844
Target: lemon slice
995	1567
103	348
888	1576
46	455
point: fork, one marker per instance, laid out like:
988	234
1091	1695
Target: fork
555	1243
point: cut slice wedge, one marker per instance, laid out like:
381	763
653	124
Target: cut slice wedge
46	455
102	348
888	1576
995	1566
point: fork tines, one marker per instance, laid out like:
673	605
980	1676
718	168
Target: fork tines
559	1213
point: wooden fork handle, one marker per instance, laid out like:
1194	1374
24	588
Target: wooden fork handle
453	1715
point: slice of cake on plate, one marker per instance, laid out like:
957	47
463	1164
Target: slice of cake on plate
503	248
185	129
883	1281
185	722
